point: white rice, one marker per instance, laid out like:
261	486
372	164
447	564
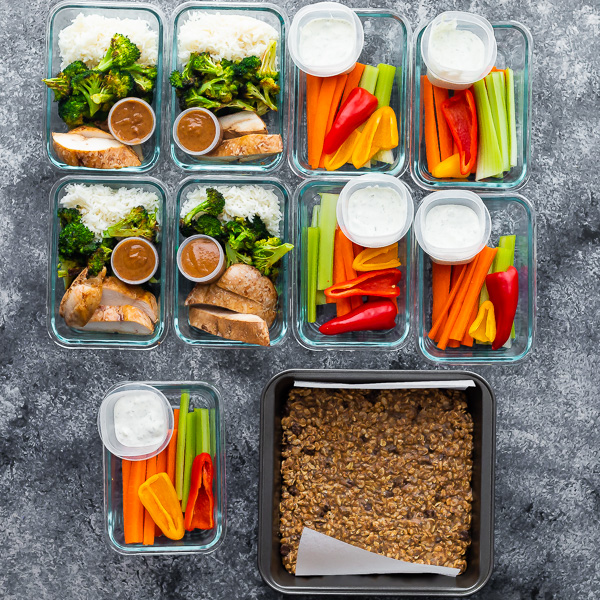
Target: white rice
103	206
224	36
88	37
243	201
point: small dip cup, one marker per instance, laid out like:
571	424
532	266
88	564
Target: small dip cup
136	141
219	270
218	132
141	240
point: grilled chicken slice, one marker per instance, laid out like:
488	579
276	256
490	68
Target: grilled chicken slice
120	319
252	146
93	152
81	299
241	123
92	132
250	283
117	293
230	325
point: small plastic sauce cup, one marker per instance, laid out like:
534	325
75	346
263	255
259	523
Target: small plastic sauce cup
143	241
113	131
218	132
215	274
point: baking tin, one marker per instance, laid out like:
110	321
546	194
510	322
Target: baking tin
68	337
60	16
203	395
387	40
482	406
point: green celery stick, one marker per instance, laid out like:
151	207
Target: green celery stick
502	261
181	433
385	83
508	243
327	225
489	158
368	81
315	215
312	260
511	116
321	298
198	431
384	156
205	428
190	454
496	93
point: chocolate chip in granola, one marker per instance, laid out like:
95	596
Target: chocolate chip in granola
293	490
388	494
309	451
284	549
296	429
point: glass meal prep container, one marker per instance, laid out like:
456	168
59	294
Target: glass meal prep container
276	121
68	337
511	214
515	50
203	395
387	35
60	17
308	334
183	286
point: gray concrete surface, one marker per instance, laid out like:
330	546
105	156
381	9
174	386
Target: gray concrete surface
548	473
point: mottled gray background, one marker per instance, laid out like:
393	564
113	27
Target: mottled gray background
548	474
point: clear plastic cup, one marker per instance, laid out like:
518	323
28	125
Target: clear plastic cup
139	281
218	132
453	256
132	142
218	271
374	180
460	79
326	10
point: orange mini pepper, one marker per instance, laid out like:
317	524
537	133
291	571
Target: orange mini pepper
159	498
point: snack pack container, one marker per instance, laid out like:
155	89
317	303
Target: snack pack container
203	395
515	50
68	337
386	40
480	560
60	17
183	286
308	334
510	214
276	121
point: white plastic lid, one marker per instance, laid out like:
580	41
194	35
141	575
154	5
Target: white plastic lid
211	276
134	142
106	423
139	281
218	131
374	180
453	256
460	78
325	10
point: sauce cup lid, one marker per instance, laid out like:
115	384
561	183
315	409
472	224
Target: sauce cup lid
218	131
132	99
106	423
323	10
211	275
139	281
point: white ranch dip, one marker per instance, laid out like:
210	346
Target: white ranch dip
140	419
325	42
451	226
375	211
452	49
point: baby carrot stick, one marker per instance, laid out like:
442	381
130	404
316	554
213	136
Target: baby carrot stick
353	80
444	135
342	306
437	325
335	103
432	147
320	118
313	87
133	513
149	525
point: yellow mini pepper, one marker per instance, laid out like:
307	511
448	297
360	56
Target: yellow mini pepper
380	132
375	259
159	498
449	168
483	328
338	159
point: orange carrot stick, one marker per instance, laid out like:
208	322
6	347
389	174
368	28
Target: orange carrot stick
313	88
432	145
453	344
342	306
467	339
175	419
125	470
335	103
133	515
484	262
444	135
347	251
456	271
172	455
149	525
440	288
320	119
453	292
352	81
356	249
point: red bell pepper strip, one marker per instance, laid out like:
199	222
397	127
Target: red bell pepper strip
374	283
461	116
372	316
503	289
200	506
359	106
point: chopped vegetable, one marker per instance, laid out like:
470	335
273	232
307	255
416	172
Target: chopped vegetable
313	89
159	498
149	525
440	288
483	328
326	94
385	84
353	80
133	509
205	431
376	259
449	168
312	243
125	470
496	89
380	132
172	455
432	146
181	438
503	289
368	81
344	153
440	95
138	223
376	283
342	306
460	114
510	112
489	158
199	510
375	315
190	454
327	225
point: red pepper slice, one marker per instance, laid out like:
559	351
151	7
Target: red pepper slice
503	288
381	283
359	106
461	116
372	316
200	506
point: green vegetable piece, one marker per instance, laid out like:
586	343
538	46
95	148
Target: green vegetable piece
489	158
507	243
190	454
184	405
138	223
312	258
511	116
321	298
204	425
121	53
368	81
327	225
196	416
315	215
496	93
385	84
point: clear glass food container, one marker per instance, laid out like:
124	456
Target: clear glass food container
276	121
511	214
203	395
387	36
68	337
308	334
515	50
61	16
183	286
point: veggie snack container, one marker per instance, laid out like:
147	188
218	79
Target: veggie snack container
482	406
68	337
203	395
515	50
386	40
60	17
276	121
511	214
183	286
308	334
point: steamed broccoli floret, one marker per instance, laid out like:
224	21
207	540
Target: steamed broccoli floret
207	225
246	68
218	89
267	253
213	205
116	85
259	228
76	239
177	81
60	85
98	259
74	110
242	105
193	98
241	235
138	223
69	268
267	65
122	53
77	67
144	77
234	256
89	84
68	215
203	63
253	92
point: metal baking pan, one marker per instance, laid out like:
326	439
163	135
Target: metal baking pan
480	560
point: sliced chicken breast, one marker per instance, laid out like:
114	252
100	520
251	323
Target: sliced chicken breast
93	152
117	293
92	132
250	283
120	319
230	325
81	299
241	123
253	146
